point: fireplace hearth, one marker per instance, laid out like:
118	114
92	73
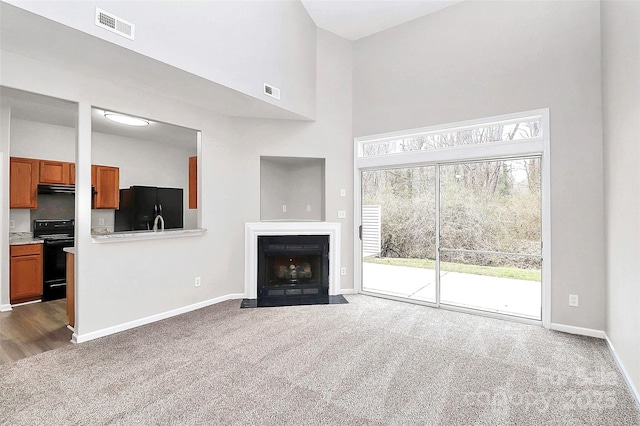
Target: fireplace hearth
293	270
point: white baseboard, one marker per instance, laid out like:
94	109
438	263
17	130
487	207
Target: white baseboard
623	371
80	338
577	330
5	308
348	291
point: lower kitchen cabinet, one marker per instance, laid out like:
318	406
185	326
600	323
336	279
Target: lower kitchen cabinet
25	280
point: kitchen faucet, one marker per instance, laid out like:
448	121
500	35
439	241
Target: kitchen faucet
155	223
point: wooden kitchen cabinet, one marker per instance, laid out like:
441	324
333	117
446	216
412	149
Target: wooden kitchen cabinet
23	183
106	181
72	173
54	172
25	267
193	182
71	307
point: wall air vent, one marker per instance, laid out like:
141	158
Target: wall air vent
114	24
272	91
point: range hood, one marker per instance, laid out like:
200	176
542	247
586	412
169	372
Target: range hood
56	189
60	189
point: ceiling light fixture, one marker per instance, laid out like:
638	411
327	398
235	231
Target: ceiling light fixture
126	119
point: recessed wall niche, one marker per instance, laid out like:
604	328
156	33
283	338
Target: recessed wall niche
292	189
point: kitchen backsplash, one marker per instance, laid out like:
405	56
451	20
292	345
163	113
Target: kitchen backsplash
59	206
54	206
19	220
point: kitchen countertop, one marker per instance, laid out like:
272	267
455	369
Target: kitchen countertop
20	238
146	235
71	250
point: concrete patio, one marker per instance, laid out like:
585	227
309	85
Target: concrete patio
501	295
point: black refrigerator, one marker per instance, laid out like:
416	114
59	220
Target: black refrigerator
139	206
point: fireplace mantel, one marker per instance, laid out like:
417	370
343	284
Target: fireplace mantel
253	230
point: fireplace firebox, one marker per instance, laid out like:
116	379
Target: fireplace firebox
293	270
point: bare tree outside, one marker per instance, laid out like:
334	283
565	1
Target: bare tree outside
489	206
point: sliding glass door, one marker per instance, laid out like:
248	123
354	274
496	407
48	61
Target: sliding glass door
490	236
399	232
454	215
464	234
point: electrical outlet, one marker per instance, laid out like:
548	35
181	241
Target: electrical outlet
343	271
573	300
197	281
342	214
12	224
343	192
284	208
101	221
308	207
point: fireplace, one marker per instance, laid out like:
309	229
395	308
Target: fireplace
258	230
293	270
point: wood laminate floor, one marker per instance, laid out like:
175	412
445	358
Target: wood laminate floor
32	329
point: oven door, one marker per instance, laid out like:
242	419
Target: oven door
55	269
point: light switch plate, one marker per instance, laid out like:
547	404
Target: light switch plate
343	192
342	214
573	300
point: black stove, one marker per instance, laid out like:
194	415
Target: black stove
57	234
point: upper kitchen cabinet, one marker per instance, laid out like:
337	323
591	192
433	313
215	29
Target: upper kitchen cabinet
55	172
193	182
106	181
23	182
72	173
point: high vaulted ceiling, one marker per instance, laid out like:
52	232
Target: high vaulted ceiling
354	19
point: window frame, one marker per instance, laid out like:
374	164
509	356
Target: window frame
538	146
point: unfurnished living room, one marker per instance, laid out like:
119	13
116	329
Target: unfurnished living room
320	212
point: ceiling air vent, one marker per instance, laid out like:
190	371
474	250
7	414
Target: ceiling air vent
114	24
272	91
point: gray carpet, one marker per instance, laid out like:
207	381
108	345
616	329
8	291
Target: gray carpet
369	362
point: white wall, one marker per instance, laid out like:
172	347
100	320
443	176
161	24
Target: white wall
239	44
621	122
273	180
330	137
5	130
480	59
297	183
31	139
122	282
306	193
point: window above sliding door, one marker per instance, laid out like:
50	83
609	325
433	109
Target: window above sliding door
523	129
